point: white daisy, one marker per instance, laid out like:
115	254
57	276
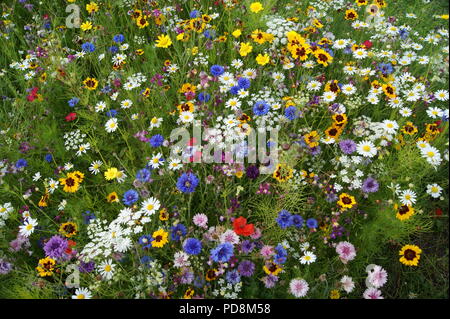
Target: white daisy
366	149
434	190
106	269
156	161
28	227
82	293
111	125
308	258
150	205
408	197
94	168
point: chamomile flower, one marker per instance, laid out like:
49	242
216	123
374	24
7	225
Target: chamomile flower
156	161
434	190
82	293
175	164
94	168
28	227
155	122
348	89
366	149
308	258
150	206
106	269
408	197
441	95
314	86
111	125
126	104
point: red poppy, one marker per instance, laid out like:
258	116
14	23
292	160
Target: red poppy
71	116
368	44
242	228
33	94
438	212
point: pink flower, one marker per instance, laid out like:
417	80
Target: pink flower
267	251
200	220
377	277
298	287
372	293
346	251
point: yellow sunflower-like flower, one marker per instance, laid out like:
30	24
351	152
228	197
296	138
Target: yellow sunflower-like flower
46	266
68	229
189	293
245	49
163	214
410	255
163	41
112	198
346	201
283	173
111	173
160	238
211	275
70	183
272	269
404	212
90	84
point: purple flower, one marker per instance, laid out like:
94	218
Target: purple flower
246	268
5	267
370	185
269	281
347	146
247	246
252	171
56	247
86	267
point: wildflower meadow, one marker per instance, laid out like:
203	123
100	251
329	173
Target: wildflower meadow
224	149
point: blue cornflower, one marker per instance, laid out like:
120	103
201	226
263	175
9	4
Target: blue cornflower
192	246
222	253
233	277
261	108
209	34
187	182
234	90
119	38
73	101
21	163
113	49
47	25
403	33
88	47
297	221
312	223
291	113
284	219
217	70
156	140
244	83
204	97
146	260
88	216
194	14
281	254
145	241
143	175
130	197
178	231
385	68
247	246
111	113
48	157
